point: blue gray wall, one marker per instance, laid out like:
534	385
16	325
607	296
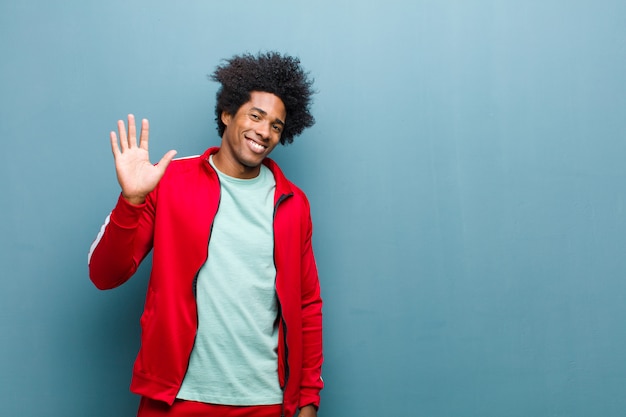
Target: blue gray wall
466	176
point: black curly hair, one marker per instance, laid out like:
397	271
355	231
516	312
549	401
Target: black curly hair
268	72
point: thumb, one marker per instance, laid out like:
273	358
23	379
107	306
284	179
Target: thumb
165	161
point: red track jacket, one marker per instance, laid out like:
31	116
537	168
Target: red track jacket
175	222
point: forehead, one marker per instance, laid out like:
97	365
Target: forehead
269	103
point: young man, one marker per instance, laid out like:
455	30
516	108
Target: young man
232	324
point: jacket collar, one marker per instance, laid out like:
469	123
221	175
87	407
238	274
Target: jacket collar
283	185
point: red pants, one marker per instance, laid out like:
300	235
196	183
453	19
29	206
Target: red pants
182	408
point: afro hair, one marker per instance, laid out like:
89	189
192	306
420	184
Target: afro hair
267	72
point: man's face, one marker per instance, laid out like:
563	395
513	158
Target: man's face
250	135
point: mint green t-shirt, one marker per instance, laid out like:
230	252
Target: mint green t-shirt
234	360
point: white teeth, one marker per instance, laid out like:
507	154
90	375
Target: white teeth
256	145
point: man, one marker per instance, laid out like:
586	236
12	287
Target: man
232	324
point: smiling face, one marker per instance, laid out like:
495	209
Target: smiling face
250	135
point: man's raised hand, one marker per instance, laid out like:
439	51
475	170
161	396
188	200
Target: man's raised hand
135	173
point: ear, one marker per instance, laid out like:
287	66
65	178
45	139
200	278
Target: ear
225	117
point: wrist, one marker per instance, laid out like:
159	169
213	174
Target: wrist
135	200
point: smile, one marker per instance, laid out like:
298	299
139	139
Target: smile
255	146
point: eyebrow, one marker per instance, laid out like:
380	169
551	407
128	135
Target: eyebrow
264	113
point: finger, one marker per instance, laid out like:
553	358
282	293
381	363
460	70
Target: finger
132	131
114	147
122	131
145	131
165	161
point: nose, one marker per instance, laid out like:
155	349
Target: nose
263	130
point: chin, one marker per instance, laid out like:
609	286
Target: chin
253	161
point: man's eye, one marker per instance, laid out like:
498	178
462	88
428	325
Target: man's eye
277	128
254	116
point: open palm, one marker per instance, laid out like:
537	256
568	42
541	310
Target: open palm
135	173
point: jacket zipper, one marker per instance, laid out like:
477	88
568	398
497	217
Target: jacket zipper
282	198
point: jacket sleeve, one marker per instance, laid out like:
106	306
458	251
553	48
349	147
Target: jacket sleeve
123	242
312	355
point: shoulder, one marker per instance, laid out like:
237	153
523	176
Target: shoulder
184	163
186	167
298	193
296	201
190	163
283	184
186	174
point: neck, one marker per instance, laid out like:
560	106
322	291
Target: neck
233	169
